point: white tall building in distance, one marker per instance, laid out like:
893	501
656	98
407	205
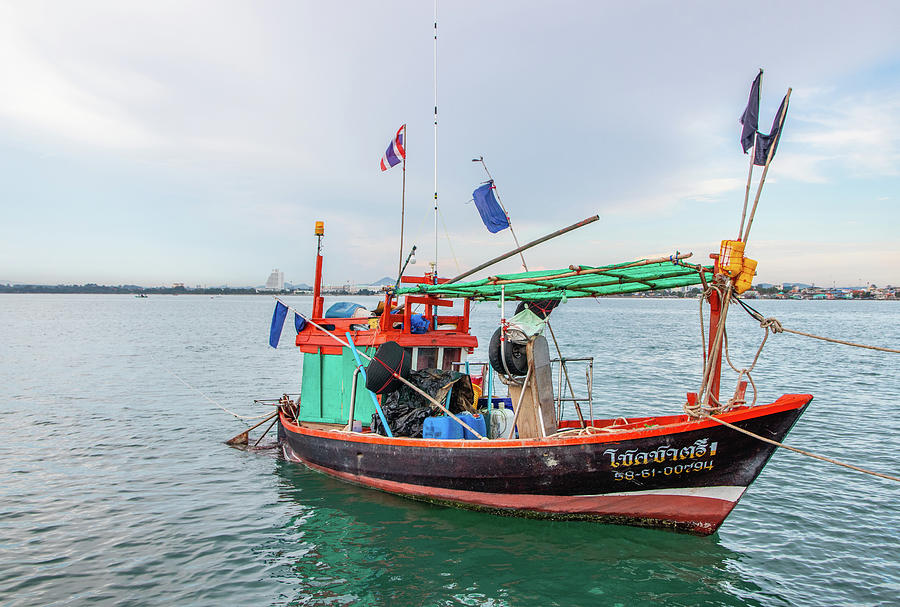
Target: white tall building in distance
275	281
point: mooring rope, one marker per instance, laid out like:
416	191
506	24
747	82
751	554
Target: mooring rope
776	327
800	451
179	378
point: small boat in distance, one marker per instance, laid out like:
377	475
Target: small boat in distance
684	472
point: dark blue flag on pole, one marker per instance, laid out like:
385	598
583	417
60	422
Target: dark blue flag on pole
750	117
764	142
491	212
299	322
277	324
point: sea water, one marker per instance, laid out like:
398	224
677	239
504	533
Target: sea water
117	487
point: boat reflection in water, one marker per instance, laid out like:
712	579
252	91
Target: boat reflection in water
355	546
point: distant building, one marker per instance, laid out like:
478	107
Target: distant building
275	281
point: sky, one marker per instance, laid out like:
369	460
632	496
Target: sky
198	142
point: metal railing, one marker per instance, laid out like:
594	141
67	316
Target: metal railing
559	377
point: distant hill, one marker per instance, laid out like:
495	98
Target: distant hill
302	286
387	280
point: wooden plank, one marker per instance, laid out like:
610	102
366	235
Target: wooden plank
542	387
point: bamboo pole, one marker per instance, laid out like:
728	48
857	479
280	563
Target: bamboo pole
752	158
524	247
762	179
263	435
747	191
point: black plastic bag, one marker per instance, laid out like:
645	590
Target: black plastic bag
406	409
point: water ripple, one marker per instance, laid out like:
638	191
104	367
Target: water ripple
118	490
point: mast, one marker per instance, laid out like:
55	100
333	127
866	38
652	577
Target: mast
318	300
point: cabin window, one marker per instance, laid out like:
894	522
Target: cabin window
451	355
427	358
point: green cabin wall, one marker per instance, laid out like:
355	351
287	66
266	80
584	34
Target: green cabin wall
326	387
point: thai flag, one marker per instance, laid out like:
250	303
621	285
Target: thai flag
395	151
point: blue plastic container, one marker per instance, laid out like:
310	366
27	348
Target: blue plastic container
476	422
443	427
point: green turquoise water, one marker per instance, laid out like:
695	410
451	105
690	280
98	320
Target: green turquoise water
117	487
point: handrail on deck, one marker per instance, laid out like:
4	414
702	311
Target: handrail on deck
559	399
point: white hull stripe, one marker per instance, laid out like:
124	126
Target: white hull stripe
728	493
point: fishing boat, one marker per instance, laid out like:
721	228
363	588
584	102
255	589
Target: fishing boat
411	423
684	472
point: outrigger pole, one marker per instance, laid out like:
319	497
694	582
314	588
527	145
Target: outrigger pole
525	247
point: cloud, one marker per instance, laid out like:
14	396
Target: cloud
846	264
856	135
39	95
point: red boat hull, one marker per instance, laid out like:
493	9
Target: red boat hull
668	472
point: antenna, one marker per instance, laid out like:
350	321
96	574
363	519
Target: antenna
435	145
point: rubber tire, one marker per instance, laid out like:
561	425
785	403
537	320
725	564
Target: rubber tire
378	379
516	356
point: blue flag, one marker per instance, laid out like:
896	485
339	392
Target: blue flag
491	212
299	322
750	117
277	324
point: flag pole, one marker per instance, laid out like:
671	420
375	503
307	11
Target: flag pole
752	158
403	202
562	362
747	191
762	179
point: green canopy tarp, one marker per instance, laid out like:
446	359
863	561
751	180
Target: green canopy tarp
576	281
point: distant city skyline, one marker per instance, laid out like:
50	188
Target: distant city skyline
199	142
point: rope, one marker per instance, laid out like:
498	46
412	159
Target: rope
775	325
800	451
244	417
705	396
